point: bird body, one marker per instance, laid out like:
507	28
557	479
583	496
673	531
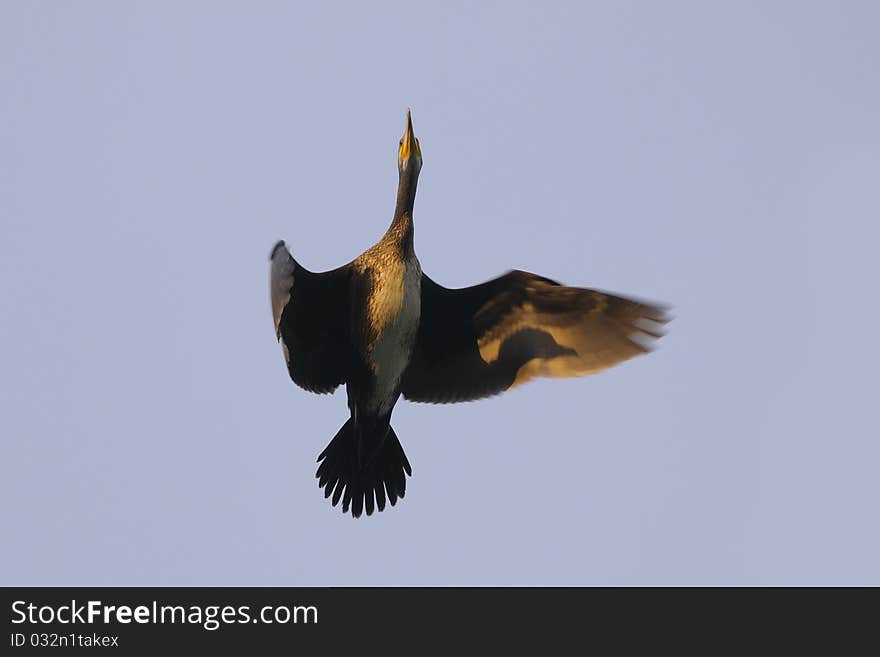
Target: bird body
392	314
385	329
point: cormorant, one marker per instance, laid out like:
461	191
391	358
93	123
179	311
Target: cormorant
383	328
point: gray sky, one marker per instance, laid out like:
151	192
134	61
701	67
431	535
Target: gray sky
721	157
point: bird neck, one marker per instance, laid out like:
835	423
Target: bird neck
406	192
401	229
400	236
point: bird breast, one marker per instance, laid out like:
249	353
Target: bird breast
394	308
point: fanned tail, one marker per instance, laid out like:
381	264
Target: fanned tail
367	488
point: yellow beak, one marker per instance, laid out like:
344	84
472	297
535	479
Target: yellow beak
409	145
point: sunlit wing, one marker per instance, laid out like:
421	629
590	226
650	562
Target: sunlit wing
311	321
482	340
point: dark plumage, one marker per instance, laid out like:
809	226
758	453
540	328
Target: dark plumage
384	329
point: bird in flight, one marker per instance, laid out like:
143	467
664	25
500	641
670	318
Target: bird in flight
385	329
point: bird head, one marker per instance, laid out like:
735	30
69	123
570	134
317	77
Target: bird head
409	154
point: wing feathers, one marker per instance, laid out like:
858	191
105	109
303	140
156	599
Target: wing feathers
280	281
311	321
479	341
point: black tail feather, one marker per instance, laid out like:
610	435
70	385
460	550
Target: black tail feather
363	489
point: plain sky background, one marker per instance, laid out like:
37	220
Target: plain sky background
721	157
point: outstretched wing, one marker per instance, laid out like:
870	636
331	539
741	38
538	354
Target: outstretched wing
482	340
311	321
